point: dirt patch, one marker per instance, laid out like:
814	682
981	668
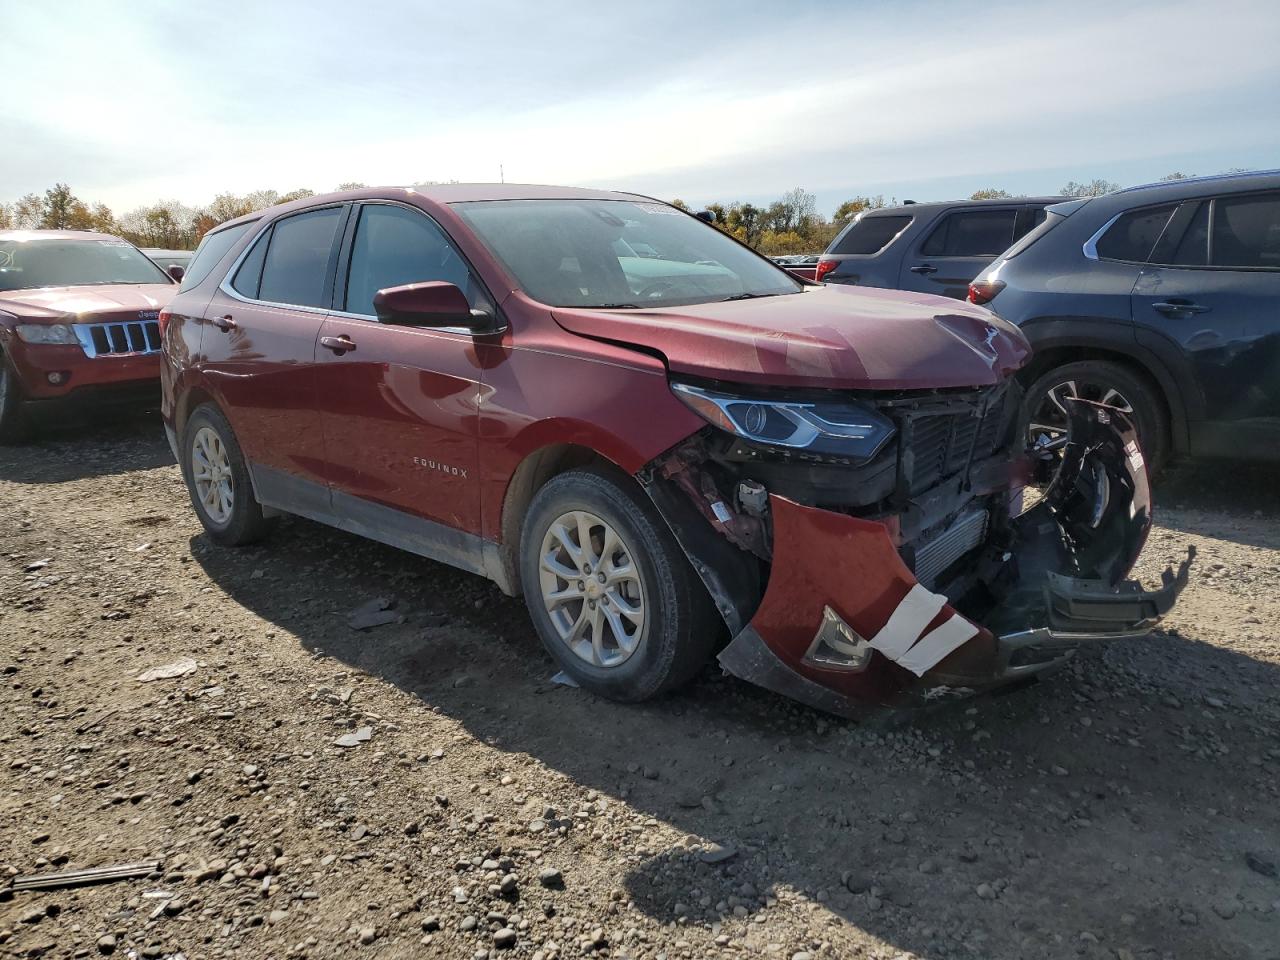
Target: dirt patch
421	788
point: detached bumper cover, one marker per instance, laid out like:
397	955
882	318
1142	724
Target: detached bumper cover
844	625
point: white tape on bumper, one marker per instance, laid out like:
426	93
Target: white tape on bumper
936	644
899	639
908	621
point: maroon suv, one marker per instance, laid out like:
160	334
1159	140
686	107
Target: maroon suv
79	318
657	436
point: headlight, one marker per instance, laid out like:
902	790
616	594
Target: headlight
52	333
838	428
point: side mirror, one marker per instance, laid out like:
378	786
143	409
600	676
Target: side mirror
432	304
706	216
176	271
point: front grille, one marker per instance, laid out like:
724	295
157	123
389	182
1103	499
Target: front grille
933	557
113	339
942	444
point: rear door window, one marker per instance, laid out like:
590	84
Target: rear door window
868	235
394	245
249	277
1193	247
971	233
297	258
1133	236
212	248
1246	232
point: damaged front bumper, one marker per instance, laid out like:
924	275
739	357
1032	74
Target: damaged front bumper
844	624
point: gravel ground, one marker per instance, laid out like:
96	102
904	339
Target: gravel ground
423	789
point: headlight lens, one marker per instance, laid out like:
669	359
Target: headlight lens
839	428
46	333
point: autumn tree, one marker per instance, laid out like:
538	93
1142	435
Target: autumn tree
990	193
1094	188
1176	175
59	208
851	208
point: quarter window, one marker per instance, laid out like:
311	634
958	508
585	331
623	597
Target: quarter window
868	235
1134	234
297	258
971	233
1246	232
1193	248
212	248
393	246
249	277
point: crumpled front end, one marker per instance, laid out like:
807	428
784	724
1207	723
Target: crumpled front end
868	611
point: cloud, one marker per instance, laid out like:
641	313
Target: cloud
155	99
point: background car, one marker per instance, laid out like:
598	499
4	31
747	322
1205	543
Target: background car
1162	300
169	258
78	318
931	247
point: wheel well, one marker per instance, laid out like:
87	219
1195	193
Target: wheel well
191	399
529	477
1047	359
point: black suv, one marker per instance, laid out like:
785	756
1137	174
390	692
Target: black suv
931	247
1163	300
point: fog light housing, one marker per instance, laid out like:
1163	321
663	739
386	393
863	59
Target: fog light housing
837	646
58	377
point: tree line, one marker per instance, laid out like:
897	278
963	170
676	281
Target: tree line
788	225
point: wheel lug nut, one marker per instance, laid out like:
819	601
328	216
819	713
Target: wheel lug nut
591	604
606	601
600	577
586	568
581	585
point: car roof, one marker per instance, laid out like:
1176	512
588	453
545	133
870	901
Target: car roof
934	206
23	235
444	193
161	252
1194	186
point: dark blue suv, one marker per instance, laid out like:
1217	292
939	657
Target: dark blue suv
1162	300
931	247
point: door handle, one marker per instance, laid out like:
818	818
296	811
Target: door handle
924	268
224	323
338	345
1172	308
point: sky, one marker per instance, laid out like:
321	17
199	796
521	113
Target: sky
707	101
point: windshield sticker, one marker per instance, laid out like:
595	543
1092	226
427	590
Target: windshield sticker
112	243
660	209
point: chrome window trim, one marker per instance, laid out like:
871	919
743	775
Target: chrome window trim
1090	247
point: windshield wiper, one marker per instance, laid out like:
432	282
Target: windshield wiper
748	296
613	306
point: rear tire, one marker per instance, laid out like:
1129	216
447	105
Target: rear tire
1106	382
218	482
14	423
627	618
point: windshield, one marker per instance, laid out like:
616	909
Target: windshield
619	253
25	264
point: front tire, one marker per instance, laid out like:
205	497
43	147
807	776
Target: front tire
610	592
14	425
1044	408
217	478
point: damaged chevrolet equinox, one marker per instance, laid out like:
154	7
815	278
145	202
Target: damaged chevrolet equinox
670	446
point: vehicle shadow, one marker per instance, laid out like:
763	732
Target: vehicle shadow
1220	500
1097	812
74	443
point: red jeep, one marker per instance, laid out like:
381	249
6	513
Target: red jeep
657	436
78	319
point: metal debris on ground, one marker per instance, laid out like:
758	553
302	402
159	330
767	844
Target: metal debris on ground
80	878
564	680
169	671
375	613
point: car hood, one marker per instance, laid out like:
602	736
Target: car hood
836	336
63	303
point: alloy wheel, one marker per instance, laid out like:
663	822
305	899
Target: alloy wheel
211	474
592	589
1048	429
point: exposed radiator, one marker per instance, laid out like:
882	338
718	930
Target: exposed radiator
934	556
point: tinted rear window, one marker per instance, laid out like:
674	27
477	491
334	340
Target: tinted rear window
298	258
971	233
869	234
1134	234
1246	231
212	248
1050	221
